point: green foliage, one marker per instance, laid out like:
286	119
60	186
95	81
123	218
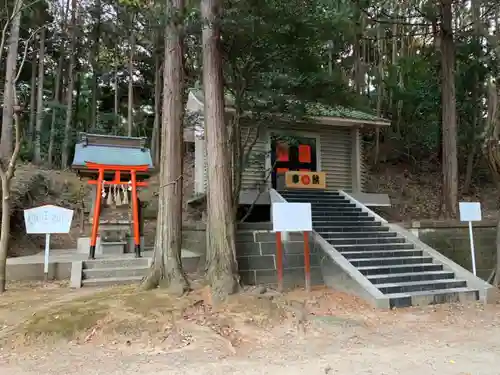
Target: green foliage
276	56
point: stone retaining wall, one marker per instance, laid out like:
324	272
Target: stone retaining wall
451	238
256	254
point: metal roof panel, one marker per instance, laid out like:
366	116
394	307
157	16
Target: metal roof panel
111	155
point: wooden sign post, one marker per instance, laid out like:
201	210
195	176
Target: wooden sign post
292	217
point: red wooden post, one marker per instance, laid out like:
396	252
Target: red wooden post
279	260
135	213
97	212
307	261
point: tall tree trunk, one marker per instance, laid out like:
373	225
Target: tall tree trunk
155	144
70	87
222	269
130	117
37	156
116	106
57	99
6	174
94	60
380	92
471	155
6	141
32	119
449	116
5	233
166	270
58	81
78	84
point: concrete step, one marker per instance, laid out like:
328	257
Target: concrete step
410	276
381	254
308	192
365	240
420	286
122	272
390	261
110	281
327	215
358	235
344	219
374	247
328	205
115	263
335	226
326	230
399	269
322	208
312	197
452	295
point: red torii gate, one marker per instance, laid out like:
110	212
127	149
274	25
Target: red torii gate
100	182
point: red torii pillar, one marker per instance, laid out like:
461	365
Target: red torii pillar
100	182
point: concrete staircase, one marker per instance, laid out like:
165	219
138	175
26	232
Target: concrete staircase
121	269
106	272
405	274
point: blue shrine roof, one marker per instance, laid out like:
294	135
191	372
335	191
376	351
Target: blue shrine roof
111	155
111	150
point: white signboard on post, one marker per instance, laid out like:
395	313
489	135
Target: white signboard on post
471	211
46	220
292	217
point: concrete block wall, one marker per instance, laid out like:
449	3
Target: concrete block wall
256	256
452	240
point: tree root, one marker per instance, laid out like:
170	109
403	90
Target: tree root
176	284
151	281
223	286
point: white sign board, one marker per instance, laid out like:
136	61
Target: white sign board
292	217
48	219
470	211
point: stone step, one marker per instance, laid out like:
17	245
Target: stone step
373	226
300	192
358	235
110	281
326	203
115	263
330	205
326	214
325	230
121	272
410	276
420	286
399	269
381	254
315	194
390	261
365	240
331	211
344	219
374	247
452	295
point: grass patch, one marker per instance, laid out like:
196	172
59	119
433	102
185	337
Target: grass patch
65	321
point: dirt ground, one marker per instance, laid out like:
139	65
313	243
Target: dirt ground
50	330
